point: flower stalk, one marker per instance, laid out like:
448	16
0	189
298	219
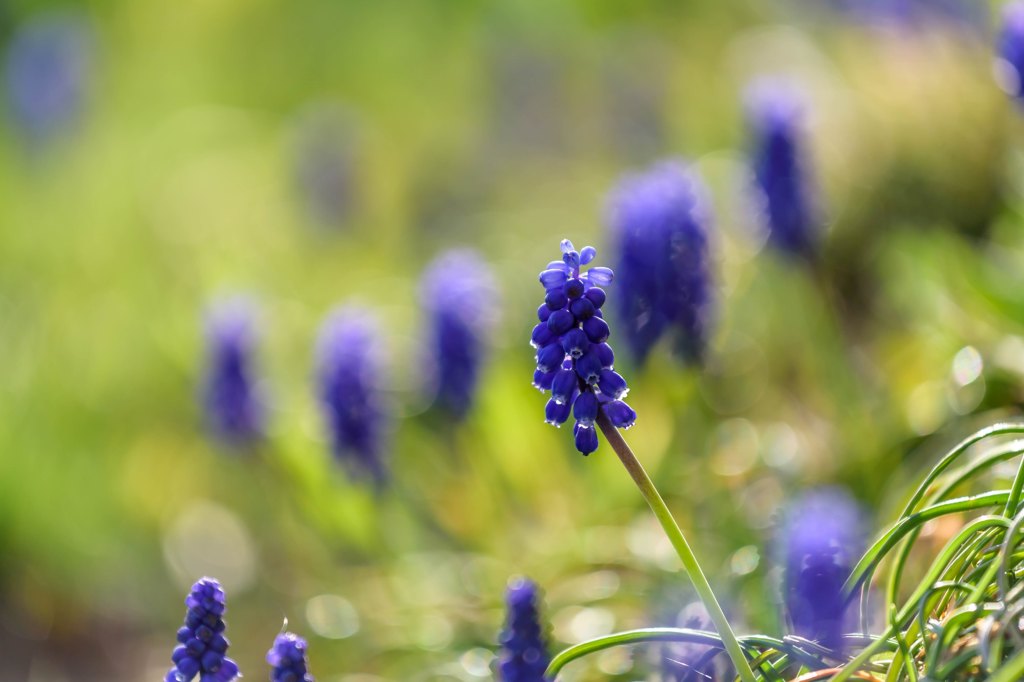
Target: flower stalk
675	535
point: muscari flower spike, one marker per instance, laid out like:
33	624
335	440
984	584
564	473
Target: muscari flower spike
202	647
574	361
348	375
48	67
524	655
288	659
458	292
231	399
775	111
1010	50
822	542
658	221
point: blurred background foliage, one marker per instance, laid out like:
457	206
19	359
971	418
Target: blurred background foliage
315	152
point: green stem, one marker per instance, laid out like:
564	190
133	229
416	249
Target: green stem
1010	510
710	639
675	536
1010	671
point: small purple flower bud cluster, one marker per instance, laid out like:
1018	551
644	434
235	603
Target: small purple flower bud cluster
232	403
288	659
458	292
349	369
524	655
574	360
202	647
822	541
775	110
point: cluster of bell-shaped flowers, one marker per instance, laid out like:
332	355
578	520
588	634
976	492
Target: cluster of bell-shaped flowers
775	109
349	375
233	403
659	221
524	654
458	293
822	541
202	647
288	659
574	361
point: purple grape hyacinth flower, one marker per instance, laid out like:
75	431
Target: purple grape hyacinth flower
574	360
48	68
1010	50
659	221
775	109
288	659
348	375
232	402
524	655
458	294
202	647
822	539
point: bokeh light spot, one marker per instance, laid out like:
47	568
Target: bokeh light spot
208	539
745	560
967	365
332	616
477	662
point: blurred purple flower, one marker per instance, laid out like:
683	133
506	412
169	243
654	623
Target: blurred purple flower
637	108
776	115
202	646
48	68
574	360
659	225
823	541
524	655
288	659
679	660
914	14
1010	50
348	375
459	295
232	402
525	95
325	164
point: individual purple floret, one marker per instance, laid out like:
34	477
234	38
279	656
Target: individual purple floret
457	293
48	66
524	655
202	647
776	111
348	376
658	221
574	360
288	658
1010	50
822	540
231	400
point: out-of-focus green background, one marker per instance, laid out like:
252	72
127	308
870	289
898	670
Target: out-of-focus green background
498	125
